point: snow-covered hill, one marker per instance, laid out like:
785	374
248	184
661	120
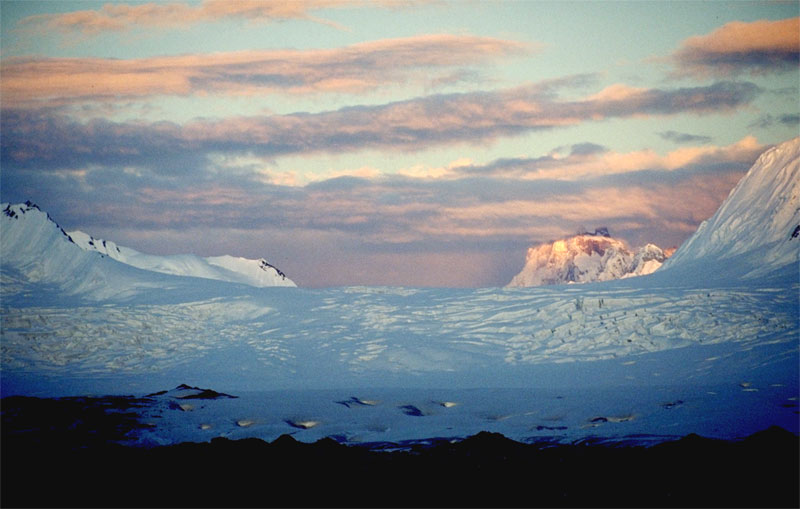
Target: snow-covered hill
756	231
257	273
585	258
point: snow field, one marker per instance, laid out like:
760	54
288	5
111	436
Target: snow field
394	415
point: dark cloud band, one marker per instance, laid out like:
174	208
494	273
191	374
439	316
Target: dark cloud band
45	141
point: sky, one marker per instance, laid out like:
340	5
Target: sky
409	142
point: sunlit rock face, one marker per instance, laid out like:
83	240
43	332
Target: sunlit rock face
585	258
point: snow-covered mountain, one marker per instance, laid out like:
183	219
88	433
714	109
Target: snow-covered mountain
257	273
36	250
585	258
756	231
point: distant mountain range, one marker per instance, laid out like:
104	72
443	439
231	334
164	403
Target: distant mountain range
755	232
78	322
585	258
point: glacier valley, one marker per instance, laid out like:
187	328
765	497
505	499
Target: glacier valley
707	344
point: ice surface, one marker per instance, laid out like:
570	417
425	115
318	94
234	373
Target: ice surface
686	349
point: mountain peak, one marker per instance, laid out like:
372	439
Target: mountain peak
601	231
18	210
584	258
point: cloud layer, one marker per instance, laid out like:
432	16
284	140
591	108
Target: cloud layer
49	141
678	137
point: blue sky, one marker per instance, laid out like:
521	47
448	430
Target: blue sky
405	143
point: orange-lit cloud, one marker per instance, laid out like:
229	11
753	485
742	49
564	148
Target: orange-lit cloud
656	204
30	82
118	17
617	92
583	162
758	47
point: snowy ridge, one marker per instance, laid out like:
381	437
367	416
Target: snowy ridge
258	273
586	258
752	233
35	250
37	253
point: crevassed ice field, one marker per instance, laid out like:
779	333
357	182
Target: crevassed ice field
708	344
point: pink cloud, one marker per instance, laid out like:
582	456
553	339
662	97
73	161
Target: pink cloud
600	162
757	47
357	68
118	17
669	208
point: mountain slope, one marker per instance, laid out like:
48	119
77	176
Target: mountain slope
257	273
755	230
37	255
35	250
585	258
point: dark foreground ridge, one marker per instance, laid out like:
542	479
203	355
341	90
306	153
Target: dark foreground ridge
63	453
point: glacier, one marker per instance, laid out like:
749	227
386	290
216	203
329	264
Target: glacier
707	344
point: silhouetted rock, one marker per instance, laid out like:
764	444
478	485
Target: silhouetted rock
63	452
